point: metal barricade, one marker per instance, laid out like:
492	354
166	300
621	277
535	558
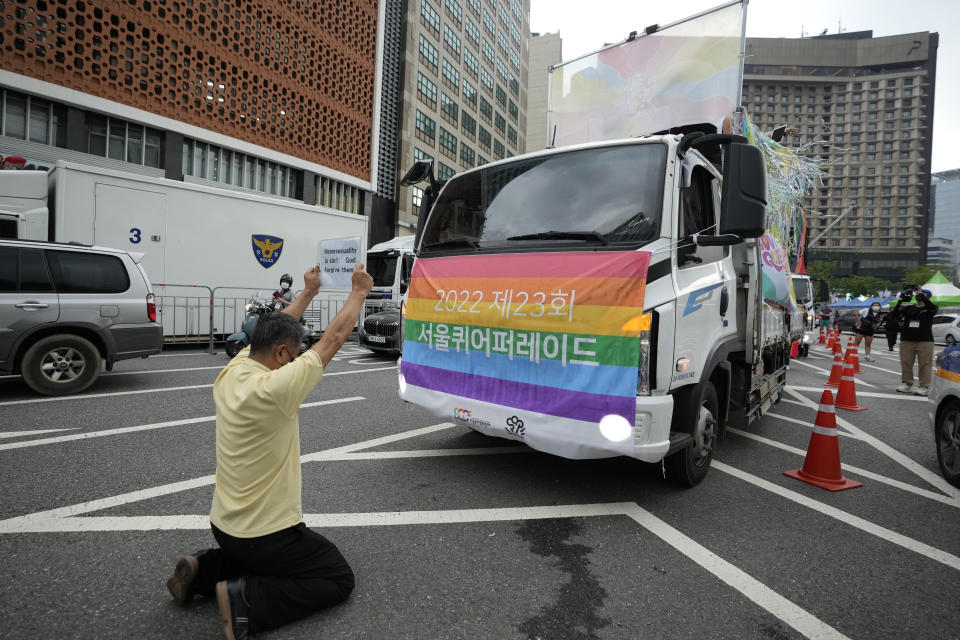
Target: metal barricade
186	318
208	315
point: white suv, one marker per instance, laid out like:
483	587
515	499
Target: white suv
68	309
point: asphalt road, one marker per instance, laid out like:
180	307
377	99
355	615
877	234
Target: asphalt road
457	535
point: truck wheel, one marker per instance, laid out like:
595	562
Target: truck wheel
948	442
232	348
60	364
688	467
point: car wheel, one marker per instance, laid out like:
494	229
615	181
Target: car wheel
948	442
60	365
950	340
689	466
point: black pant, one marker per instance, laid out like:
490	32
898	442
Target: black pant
891	338
289	574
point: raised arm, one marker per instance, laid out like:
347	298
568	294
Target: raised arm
343	323
311	287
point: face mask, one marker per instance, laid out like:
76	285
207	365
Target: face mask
284	286
874	309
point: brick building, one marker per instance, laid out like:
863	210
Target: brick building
276	97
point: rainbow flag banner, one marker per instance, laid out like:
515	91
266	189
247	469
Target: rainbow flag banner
538	347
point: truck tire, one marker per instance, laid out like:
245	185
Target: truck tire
689	466
60	365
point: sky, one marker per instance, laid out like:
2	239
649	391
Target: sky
584	30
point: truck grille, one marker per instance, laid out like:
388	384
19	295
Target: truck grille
380	328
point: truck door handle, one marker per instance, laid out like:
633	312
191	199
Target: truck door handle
724	301
31	305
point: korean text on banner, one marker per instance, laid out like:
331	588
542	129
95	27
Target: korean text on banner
338	258
684	74
555	336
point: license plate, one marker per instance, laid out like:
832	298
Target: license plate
381	339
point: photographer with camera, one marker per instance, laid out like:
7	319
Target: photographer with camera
916	338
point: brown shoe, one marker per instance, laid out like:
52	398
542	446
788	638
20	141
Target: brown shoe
234	610
181	582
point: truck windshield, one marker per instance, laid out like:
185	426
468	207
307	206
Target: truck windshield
606	197
382	267
801	287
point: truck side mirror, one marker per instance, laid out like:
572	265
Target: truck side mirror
743	199
405	272
422	171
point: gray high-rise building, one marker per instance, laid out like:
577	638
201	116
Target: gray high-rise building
546	50
945	206
865	106
464	98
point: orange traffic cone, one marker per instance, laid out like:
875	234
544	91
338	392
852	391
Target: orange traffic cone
853	359
823	336
836	372
837	347
821	467
847	394
831	342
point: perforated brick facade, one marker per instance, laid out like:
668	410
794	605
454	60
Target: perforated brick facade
295	76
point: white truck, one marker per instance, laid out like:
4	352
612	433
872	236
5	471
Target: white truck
713	351
189	234
390	264
803	288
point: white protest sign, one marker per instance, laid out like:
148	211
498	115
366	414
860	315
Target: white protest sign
338	258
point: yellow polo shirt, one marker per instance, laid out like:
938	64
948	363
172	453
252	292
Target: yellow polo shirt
258	444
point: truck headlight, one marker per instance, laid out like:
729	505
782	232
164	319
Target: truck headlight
643	366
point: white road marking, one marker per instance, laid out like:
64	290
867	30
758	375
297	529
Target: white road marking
144	427
754	590
870	366
184	355
331	454
102	395
857	522
35	432
163	389
932	495
326	520
765	597
12	524
867	394
134	373
911	465
827	373
430	453
805	423
366	361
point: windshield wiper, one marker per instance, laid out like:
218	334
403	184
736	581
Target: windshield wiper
453	242
562	235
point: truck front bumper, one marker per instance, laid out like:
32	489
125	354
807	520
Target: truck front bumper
649	439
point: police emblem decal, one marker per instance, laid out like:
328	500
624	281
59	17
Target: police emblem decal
266	249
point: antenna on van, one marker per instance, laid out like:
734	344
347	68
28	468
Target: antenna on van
553	138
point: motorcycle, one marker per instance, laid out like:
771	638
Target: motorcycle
255	309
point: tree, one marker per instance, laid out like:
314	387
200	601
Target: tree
923	272
821	274
860	285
